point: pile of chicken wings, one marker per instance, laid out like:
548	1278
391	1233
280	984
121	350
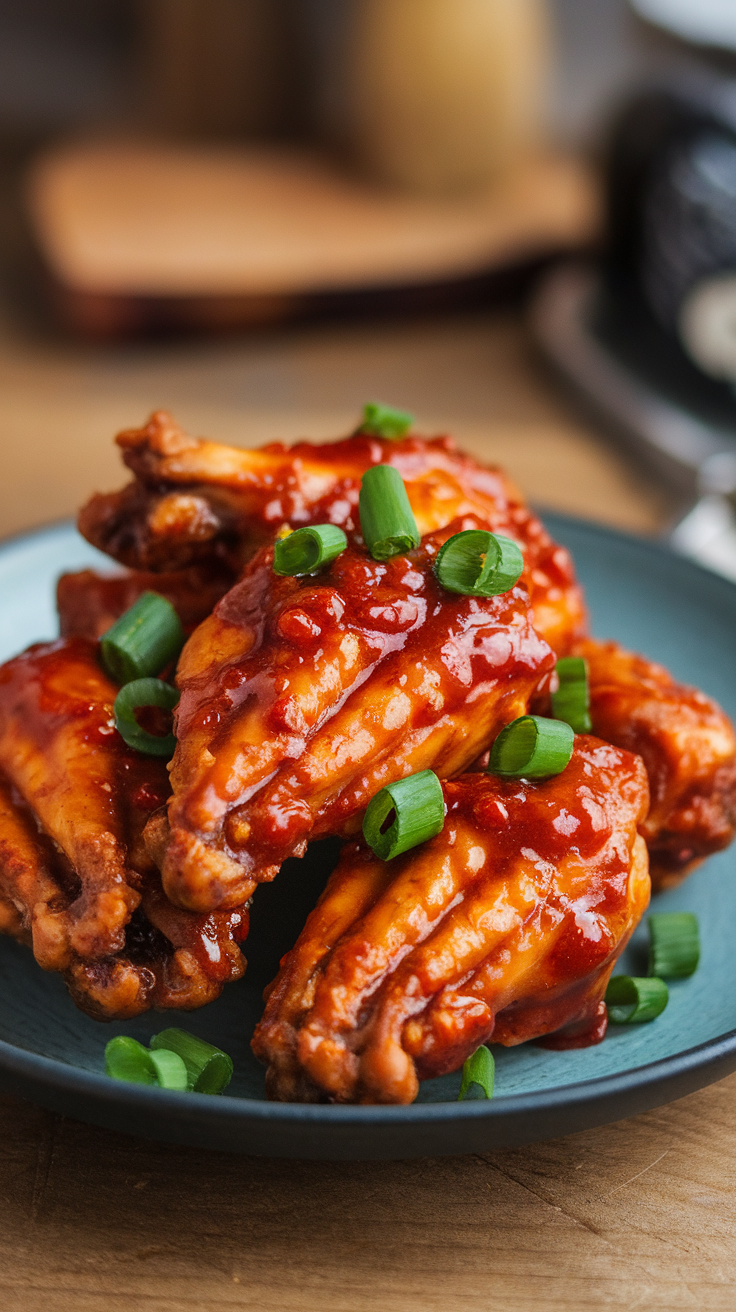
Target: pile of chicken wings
300	699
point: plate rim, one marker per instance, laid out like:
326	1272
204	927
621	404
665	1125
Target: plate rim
37	1076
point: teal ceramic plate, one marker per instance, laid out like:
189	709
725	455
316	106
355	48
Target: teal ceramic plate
638	593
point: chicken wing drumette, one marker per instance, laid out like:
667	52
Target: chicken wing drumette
688	746
301	698
197	502
75	879
504	927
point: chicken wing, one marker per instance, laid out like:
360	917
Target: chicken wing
89	602
195	501
506	926
302	697
688	746
73	867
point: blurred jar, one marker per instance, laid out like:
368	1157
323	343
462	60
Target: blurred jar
447	92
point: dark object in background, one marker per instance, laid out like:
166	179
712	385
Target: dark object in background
671	203
649	336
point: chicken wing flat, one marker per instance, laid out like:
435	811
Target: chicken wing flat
688	746
89	602
302	697
195	501
506	926
74	871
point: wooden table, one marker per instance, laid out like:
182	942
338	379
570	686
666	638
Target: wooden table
637	1215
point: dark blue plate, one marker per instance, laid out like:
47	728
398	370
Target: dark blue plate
638	593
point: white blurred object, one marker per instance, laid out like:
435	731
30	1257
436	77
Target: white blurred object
708	22
447	92
707	323
707	535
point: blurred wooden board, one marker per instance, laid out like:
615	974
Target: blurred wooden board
253	231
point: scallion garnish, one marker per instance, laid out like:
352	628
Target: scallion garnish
384	421
532	747
209	1069
170	1069
175	1060
135	696
143	641
478	1071
308	549
571	702
479	564
386	519
419	806
674	944
631	1000
127	1059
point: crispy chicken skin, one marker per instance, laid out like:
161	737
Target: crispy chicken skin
301	698
506	926
73	867
195	501
688	746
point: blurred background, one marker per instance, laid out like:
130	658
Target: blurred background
515	218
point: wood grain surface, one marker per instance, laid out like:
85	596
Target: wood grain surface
636	1215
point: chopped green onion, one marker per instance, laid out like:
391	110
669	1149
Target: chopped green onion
571	702
674	944
209	1069
170	1069
386	519
143	641
127	1059
532	747
383	421
134	696
479	1070
419	806
479	563
631	1000
308	549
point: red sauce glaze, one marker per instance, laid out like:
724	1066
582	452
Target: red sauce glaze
89	603
120	945
199	502
504	927
351	678
55	686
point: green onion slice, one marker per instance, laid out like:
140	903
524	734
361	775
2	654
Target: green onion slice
209	1069
479	563
532	747
419	806
674	944
386	519
143	641
308	549
571	702
384	421
631	1000
127	1059
170	1069
479	1070
134	696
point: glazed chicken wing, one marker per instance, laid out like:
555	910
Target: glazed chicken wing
89	602
688	746
302	697
504	927
74	873
195	501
